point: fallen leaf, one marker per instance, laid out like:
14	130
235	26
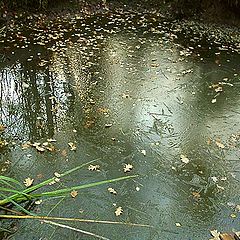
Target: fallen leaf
233	215
144	152
112	190
219	144
38	202
127	167
2	128
74	193
72	146
28	182
215	234
118	211
40	149
184	159
58	175
238	208
93	167
196	195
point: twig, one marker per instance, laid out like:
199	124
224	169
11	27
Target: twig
76	229
72	219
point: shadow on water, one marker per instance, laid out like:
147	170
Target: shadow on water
126	91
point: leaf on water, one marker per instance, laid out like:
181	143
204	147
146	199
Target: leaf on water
26	145
144	152
108	125
215	234
56	174
112	190
184	159
127	167
74	193
2	128
94	167
40	149
72	146
118	211
28	182
196	195
38	202
233	215
215	179
209	141
219	144
238	208
64	153
54	181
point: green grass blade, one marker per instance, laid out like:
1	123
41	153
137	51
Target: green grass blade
10	180
89	185
17	205
44	183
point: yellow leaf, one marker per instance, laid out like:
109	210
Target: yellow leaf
118	211
219	144
184	159
93	167
72	146
112	190
28	182
127	167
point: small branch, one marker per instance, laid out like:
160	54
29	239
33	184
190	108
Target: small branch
76	230
73	220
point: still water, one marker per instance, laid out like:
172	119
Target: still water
124	88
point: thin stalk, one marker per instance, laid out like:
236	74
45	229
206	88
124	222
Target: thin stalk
74	220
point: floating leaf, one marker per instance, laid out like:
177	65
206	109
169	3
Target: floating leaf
118	211
94	167
74	193
72	146
184	159
112	190
127	167
28	182
219	144
144	152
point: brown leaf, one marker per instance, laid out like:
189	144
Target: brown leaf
219	144
74	193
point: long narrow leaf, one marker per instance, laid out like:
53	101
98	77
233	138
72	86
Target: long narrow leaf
68	190
11	180
44	183
17	205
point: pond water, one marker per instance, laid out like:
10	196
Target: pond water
124	88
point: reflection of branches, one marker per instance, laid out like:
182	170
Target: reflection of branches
26	106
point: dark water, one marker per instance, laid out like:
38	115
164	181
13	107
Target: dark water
125	88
